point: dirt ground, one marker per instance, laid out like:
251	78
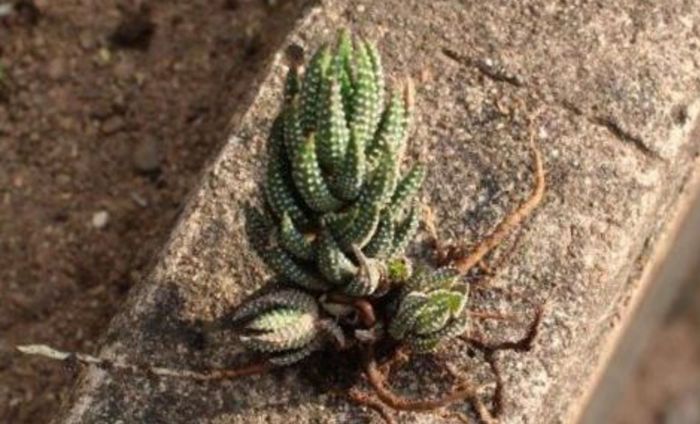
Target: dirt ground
666	386
108	111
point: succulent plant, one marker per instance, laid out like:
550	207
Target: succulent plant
339	212
338	205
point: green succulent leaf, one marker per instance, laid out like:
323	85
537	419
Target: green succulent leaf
332	262
338	222
258	228
290	357
275	319
309	180
430	309
292	85
440	306
430	342
383	239
408	187
328	331
279	190
369	277
382	181
364	284
442	278
352	174
391	133
284	299
342	70
279	321
360	231
294	241
298	332
399	269
378	75
286	325
405	231
293	129
333	133
406	316
365	96
311	88
424	320
285	265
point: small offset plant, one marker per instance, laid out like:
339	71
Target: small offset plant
340	207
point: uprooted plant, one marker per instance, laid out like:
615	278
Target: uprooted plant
339	211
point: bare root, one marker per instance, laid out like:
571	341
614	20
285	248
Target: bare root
395	401
103	363
509	223
489	350
365	399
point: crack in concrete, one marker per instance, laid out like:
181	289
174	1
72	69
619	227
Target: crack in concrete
616	129
613	125
498	73
486	67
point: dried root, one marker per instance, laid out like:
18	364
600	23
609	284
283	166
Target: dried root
260	367
455	257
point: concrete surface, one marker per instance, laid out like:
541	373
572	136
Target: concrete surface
619	83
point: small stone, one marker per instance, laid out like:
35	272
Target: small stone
147	156
104	55
112	125
6	9
57	69
138	199
100	219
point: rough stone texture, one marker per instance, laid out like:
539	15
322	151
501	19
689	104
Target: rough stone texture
617	86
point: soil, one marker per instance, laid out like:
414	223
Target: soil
666	385
108	112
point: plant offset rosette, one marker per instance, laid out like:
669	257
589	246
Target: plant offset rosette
431	309
339	212
287	324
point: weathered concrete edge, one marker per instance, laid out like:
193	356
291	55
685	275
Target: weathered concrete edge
670	211
669	265
82	397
